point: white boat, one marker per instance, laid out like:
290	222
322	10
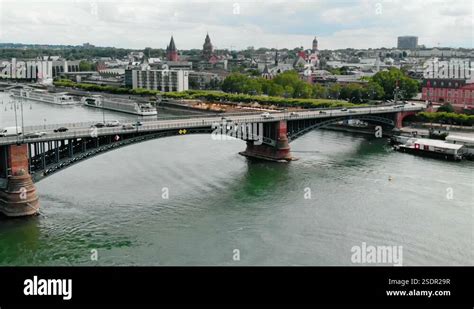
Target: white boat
59	98
120	105
433	148
467	142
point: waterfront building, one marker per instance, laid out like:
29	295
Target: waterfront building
458	92
64	66
162	80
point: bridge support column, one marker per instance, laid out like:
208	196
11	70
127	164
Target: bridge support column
280	152
18	195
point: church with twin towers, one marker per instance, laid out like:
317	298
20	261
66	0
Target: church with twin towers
207	50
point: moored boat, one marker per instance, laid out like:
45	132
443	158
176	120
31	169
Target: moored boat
120	105
59	98
432	148
467	142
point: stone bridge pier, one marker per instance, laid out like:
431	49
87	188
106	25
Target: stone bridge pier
278	152
17	191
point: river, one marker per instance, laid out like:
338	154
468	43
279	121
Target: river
222	209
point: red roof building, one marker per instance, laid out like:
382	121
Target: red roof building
454	91
302	54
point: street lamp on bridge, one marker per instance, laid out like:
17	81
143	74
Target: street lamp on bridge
20	100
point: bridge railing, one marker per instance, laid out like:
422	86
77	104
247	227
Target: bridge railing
72	125
83	129
86	131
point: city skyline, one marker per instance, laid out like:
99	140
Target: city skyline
236	25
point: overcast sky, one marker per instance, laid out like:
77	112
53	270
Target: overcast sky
237	24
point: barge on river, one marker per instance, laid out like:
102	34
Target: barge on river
432	148
119	104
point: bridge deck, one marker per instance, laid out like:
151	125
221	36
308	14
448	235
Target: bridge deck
80	130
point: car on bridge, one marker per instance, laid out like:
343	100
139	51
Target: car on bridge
127	126
137	124
113	123
98	125
266	115
61	129
34	134
343	109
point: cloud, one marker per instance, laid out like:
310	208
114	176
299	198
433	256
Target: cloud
237	23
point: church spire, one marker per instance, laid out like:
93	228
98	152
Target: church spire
315	44
172	46
207	48
171	51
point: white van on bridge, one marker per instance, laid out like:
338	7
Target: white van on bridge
10	131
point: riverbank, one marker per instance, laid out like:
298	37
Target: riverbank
425	132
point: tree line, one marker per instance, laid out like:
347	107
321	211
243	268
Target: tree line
73	53
289	85
446	118
211	96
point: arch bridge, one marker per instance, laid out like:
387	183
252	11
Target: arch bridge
24	161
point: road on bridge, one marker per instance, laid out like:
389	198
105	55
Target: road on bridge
84	129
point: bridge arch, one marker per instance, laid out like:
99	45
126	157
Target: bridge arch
298	131
49	162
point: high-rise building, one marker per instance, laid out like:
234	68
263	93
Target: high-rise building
207	48
407	42
171	51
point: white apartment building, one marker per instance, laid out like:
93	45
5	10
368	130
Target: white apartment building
162	80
